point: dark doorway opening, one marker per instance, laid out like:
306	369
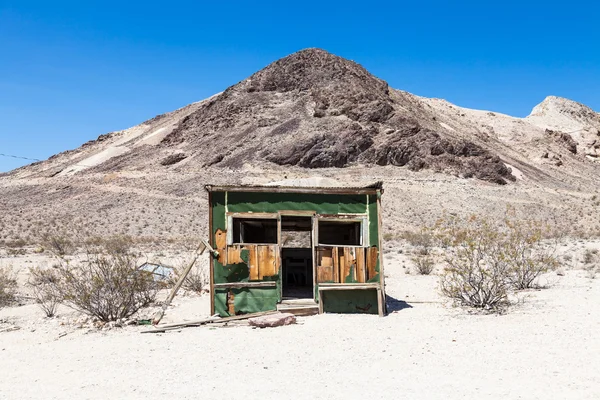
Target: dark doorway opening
297	257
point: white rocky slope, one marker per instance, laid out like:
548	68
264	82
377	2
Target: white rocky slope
148	180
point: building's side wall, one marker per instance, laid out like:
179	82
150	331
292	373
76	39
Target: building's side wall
249	300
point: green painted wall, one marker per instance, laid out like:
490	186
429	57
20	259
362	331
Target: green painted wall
247	300
273	202
350	301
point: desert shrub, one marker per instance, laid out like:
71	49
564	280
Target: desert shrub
590	256
107	286
195	281
422	239
116	245
58	244
424	265
591	259
486	260
526	252
45	284
8	286
475	274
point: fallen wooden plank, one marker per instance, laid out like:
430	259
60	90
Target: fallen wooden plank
239	285
206	321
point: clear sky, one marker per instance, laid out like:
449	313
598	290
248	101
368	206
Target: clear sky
72	70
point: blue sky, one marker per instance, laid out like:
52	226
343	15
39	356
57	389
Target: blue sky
70	71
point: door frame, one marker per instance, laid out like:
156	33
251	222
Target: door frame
299	213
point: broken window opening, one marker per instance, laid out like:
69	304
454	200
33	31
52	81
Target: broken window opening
254	231
296	232
340	233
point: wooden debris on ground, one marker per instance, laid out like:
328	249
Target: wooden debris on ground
214	320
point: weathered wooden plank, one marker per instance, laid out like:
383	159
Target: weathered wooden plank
276	253
221	245
324	273
346	264
349	286
253	262
233	255
371	262
266	261
336	264
361	272
238	285
206	321
230	302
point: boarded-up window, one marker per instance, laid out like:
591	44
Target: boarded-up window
346	264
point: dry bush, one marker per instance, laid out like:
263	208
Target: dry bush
196	280
8	286
422	239
526	252
591	259
424	265
116	245
475	274
486	260
107	286
59	245
45	284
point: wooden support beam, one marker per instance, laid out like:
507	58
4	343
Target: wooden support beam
240	285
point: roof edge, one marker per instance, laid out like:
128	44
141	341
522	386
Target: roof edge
373	188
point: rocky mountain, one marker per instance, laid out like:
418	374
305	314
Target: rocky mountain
311	114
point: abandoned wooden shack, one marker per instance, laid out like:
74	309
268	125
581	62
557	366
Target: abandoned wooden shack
299	249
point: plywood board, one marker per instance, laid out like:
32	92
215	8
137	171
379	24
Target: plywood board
266	261
336	264
253	263
233	255
324	273
361	272
327	261
221	245
371	262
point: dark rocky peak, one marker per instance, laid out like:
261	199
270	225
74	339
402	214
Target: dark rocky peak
309	69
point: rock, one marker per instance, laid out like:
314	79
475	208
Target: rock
273	320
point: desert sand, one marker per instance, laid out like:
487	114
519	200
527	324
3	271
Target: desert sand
545	347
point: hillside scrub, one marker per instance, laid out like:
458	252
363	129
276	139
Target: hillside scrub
485	261
45	285
8	286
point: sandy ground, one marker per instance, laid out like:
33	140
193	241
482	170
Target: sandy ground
545	348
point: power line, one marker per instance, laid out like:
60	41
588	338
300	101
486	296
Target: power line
37	159
22	158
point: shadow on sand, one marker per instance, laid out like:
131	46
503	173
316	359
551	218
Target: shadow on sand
394	304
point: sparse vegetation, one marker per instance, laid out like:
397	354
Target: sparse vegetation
424	265
59	245
8	286
487	260
107	286
45	284
196	281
